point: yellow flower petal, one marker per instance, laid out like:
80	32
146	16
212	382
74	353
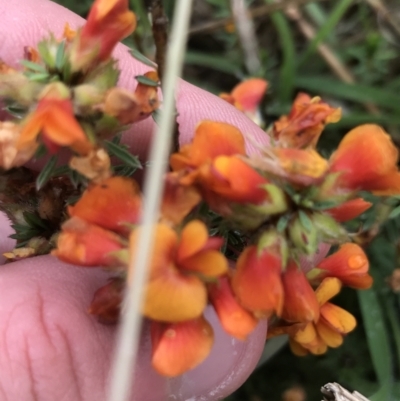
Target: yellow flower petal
306	335
337	318
193	238
208	263
297	349
330	337
173	297
329	287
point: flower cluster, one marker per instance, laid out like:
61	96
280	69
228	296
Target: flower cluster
268	210
66	94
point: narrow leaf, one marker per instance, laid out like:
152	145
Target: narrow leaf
146	81
33	66
142	58
123	154
46	173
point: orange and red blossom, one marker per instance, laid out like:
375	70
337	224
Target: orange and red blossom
349	210
178	200
179	269
300	303
333	324
247	95
257	283
366	159
236	320
179	347
128	107
108	22
55	122
305	122
86	244
302	167
112	204
211	139
231	178
349	264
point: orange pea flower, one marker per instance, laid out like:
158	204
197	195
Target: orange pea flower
333	323
349	210
128	107
300	303
112	205
85	244
108	22
54	119
247	95
179	269
305	122
179	347
349	264
257	283
178	200
302	167
367	160
211	139
232	179
235	319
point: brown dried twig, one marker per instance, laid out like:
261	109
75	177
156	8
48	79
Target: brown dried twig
253	13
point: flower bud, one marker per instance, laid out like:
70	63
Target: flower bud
301	303
304	234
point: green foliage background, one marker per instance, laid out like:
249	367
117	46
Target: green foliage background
364	42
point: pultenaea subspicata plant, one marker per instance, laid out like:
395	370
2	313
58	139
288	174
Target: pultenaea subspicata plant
266	210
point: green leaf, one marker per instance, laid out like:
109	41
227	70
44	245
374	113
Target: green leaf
305	220
288	66
46	173
38	77
40	151
123	154
33	66
334	18
394	213
282	223
146	81
34	220
213	61
378	341
60	55
142	58
355	92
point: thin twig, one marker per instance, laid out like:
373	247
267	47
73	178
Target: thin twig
247	36
386	14
253	13
337	67
160	35
335	392
122	372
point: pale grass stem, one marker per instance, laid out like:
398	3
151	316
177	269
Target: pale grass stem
122	372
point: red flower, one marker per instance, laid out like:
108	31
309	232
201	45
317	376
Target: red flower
305	122
179	347
349	264
366	159
349	210
300	304
113	204
212	139
54	119
257	283
86	244
180	266
235	319
108	22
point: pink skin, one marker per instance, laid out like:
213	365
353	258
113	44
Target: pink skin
50	348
